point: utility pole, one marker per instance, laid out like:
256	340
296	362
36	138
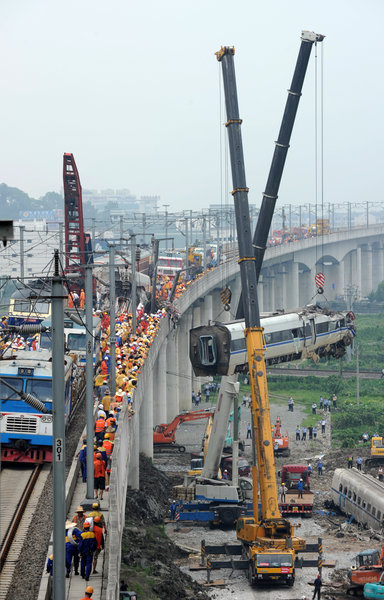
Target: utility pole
121	232
357	376
186	242
204	244
89	383
58	404
112	316
133	287
166	225
22	228
155	246
61	240
93	233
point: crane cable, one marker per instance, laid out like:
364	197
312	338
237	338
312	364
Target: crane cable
319	151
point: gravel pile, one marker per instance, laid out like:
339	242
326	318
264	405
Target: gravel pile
27	577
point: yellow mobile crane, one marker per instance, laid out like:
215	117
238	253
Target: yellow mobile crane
268	541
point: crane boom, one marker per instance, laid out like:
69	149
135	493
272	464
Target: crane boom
260	237
74	223
253	331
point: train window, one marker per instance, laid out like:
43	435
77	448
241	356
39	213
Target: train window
308	332
41	307
340	487
76	341
342	322
354	496
359	500
207	350
6	393
373	511
21	306
281	336
40	388
379	514
369	508
345	490
349	494
322	327
332	325
297	333
364	504
238	344
267	337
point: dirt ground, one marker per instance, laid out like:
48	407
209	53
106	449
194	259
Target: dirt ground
166	558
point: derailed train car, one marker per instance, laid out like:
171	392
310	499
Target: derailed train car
359	495
311	332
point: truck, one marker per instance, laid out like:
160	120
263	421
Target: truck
267	541
164	435
376	458
293	505
213	501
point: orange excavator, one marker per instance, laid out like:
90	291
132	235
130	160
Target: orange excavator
282	440
164	435
368	568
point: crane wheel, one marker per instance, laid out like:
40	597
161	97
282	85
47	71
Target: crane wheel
181	448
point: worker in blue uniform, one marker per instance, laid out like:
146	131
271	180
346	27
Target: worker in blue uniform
72	539
87	546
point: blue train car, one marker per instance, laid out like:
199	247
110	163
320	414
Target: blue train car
26	433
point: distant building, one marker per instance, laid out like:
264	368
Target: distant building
127	203
41	238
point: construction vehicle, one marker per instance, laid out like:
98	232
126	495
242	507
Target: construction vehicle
78	244
321	227
213	501
280	439
268	541
164	435
368	568
377	453
293	505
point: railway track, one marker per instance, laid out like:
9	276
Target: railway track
321	373
21	488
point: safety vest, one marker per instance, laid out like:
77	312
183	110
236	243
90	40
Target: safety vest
99	425
108	447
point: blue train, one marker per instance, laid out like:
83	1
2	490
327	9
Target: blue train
26	430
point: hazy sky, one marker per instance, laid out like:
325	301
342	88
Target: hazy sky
132	89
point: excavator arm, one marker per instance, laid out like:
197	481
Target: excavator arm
165	432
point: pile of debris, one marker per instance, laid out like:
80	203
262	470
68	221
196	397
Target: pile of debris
149	557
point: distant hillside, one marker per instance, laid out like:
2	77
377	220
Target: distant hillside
13	201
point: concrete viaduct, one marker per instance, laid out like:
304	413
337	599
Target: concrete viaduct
353	257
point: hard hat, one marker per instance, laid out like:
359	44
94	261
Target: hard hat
97	519
51	556
95	505
98	455
101	406
89	589
86	524
106	436
79	509
69	524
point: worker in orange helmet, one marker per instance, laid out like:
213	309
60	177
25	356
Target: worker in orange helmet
70	300
82	299
88	592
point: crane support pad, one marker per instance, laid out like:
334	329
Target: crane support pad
229	564
235	549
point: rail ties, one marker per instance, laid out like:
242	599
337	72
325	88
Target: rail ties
20	504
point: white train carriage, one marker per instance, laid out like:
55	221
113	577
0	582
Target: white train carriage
311	332
26	431
359	495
